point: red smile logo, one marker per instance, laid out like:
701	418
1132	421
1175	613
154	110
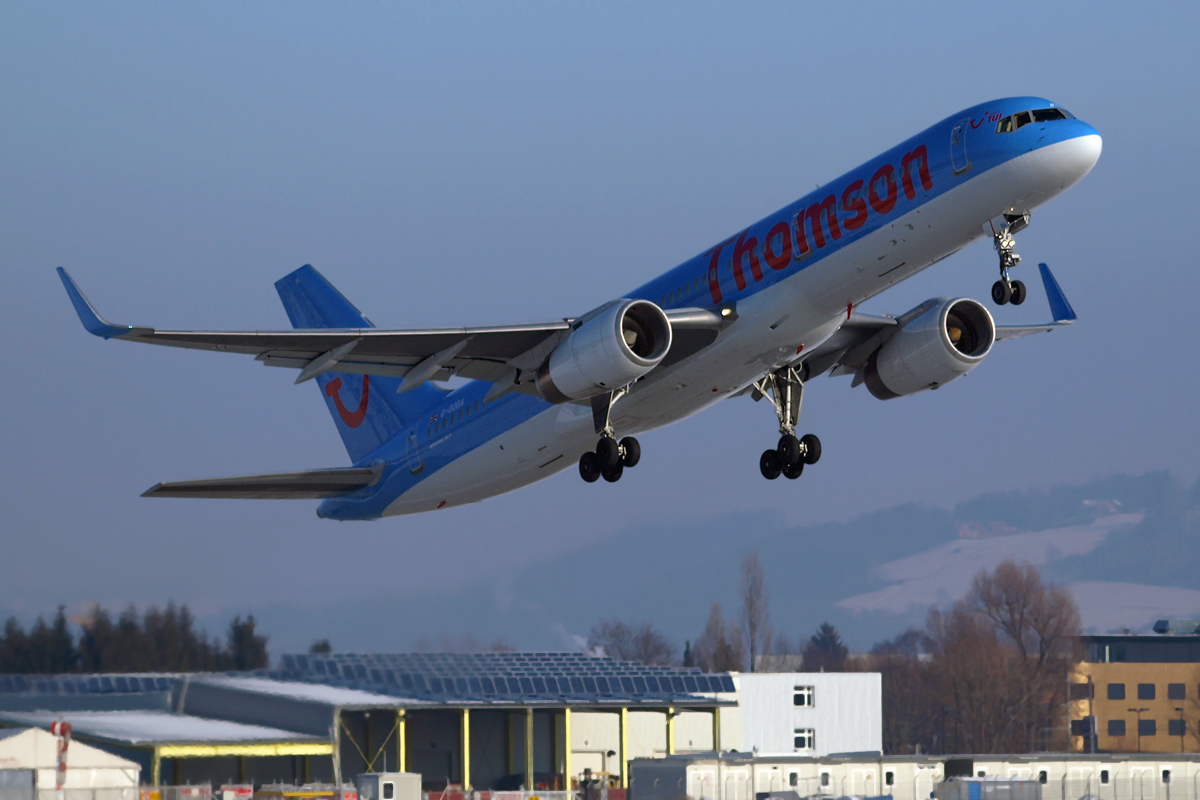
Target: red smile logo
351	418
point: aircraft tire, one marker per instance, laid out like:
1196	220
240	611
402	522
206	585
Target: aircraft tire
613	475
1018	293
589	467
788	449
792	471
632	450
608	453
769	464
1001	293
812	448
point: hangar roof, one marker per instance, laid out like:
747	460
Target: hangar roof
155	727
512	677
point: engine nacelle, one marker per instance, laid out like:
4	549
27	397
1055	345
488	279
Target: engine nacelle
615	348
944	342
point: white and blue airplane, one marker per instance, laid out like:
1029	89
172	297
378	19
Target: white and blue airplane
759	313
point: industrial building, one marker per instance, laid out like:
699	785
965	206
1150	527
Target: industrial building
746	776
1137	693
476	720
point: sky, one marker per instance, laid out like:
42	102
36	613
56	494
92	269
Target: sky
449	164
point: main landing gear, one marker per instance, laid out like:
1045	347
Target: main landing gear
786	390
610	458
1005	290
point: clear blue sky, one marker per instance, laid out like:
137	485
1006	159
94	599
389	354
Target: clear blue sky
469	163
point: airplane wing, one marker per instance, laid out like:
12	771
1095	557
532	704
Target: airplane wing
849	348
311	484
499	354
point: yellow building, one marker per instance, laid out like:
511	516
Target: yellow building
1133	694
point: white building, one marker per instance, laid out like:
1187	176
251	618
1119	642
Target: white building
29	761
810	713
1062	776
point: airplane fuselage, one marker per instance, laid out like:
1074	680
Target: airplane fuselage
789	280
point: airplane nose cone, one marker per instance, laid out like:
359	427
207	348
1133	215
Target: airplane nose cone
1083	152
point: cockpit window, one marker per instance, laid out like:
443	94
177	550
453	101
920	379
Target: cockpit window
1016	121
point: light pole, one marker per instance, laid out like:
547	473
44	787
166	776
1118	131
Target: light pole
1182	727
1139	711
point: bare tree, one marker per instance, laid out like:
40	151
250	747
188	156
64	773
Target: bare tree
626	643
1003	654
719	648
756	617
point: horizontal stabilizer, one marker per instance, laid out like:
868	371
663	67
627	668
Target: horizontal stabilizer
309	485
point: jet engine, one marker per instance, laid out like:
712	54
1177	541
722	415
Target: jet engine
616	347
939	344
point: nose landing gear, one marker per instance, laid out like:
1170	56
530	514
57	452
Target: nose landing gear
610	458
786	390
1005	290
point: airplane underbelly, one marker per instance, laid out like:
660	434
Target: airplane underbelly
539	447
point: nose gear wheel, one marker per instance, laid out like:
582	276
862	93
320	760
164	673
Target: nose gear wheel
1006	290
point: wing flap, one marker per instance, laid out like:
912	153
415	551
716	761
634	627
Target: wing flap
308	485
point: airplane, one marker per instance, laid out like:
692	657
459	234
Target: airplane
762	312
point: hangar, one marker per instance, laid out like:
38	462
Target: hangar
481	720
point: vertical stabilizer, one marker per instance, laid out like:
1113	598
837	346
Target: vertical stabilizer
365	408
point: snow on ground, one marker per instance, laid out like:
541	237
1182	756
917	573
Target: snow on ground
943	574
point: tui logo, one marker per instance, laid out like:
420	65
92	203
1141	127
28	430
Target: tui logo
352	418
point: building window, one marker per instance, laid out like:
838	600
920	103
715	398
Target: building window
1146	727
806	739
1175	691
1042	777
1116	727
803	697
889	779
1116	691
1145	691
1104	777
1176	727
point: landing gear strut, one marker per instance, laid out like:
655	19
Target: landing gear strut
786	390
1005	290
610	458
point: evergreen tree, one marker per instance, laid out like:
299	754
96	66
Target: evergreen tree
825	651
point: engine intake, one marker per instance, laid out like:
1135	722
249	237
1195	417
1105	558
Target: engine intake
944	342
614	348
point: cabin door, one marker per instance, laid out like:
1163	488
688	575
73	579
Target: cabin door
958	147
415	465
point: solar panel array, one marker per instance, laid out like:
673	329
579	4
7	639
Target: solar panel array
518	678
506	677
84	684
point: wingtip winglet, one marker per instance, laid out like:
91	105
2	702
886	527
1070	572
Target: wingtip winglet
93	323
1060	307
